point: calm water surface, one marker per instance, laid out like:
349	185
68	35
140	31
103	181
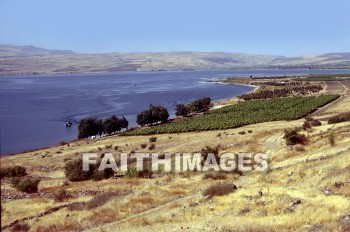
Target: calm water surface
34	108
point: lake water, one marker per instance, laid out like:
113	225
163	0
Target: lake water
34	108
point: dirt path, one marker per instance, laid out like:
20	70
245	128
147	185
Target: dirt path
142	214
346	89
321	110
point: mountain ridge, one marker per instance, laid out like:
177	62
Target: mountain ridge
22	60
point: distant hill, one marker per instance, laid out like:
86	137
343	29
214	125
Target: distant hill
339	60
20	51
18	60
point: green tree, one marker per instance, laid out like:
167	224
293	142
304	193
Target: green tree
123	122
181	110
153	115
90	127
111	125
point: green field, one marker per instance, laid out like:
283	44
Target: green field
245	113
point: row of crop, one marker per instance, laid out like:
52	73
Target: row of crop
244	113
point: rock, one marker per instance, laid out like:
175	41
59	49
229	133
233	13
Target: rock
296	202
290	173
338	184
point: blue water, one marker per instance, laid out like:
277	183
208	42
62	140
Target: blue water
34	108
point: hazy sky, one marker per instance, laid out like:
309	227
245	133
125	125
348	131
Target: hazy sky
281	27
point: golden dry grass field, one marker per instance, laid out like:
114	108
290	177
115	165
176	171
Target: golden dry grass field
307	187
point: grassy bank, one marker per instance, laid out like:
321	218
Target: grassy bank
241	114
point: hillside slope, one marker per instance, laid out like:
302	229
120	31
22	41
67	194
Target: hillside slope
32	60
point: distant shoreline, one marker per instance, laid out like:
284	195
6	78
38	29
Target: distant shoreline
157	71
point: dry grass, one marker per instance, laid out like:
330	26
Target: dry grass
262	201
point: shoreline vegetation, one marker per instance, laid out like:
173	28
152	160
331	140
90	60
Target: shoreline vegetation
258	83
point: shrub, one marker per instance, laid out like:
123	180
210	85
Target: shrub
310	122
145	173
250	131
16	171
344	117
143	146
153	139
20	227
61	195
100	175
62	143
210	150
74	171
220	189
152	147
331	139
241	132
25	185
131	172
293	137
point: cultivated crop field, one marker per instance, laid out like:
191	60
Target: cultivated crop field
241	114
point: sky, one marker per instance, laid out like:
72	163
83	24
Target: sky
271	27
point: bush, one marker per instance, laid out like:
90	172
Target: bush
26	185
151	147
331	139
143	146
16	171
310	122
133	173
293	137
74	171
220	189
241	132
20	227
210	150
61	195
344	117
153	139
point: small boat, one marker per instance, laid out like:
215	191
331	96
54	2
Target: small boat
68	123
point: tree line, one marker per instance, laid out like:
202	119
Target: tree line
93	126
154	115
283	92
197	106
